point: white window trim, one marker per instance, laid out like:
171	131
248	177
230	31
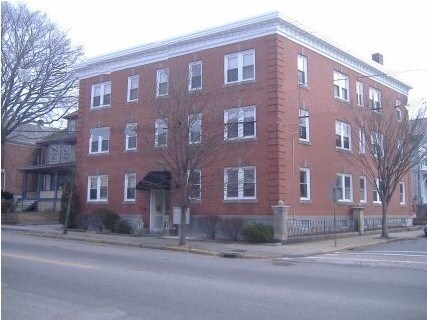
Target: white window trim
240	182
190	122
342	82
304	118
99	145
157	123
190	76
362	141
101	102
239	56
199	184
375	96
307	173
54	157
126	198
159	72
365	191
376	199
127	137
301	59
343	126
241	119
359	93
377	137
130	78
98	189
342	177
402	195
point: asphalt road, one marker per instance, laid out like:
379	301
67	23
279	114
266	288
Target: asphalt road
53	279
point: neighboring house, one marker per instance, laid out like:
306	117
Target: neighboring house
53	162
419	186
20	148
291	101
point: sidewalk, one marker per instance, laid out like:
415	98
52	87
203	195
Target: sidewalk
215	248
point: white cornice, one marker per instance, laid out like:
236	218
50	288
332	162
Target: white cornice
268	24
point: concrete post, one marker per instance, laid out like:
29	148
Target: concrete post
280	222
359	219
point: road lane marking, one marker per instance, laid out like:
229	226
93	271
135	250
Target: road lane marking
387	254
368	260
50	261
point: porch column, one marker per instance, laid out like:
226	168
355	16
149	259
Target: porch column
39	187
280	222
56	190
24	185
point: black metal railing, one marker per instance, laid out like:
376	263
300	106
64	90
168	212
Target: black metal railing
308	227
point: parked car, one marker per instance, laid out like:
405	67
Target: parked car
425	230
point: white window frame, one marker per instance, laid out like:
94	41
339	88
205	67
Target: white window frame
402	193
375	194
126	185
375	100
304	121
160	72
377	137
102	87
190	75
306	172
240	66
302	69
398	110
194	120
66	152
157	124
240	122
343	130
127	137
99	180
132	80
198	184
363	192
359	93
240	182
99	139
341	85
362	141
341	183
54	153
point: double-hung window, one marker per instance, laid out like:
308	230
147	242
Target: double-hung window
402	193
304	183
304	125
362	189
344	187
239	66
101	95
130	187
343	135
195	128
133	88
195	184
398	110
161	134
99	141
240	123
341	86
131	136
302	70
375	194
377	142
97	187
240	183
162	83
66	153
375	99
362	141
195	75
54	152
359	93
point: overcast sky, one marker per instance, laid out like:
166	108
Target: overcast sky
394	28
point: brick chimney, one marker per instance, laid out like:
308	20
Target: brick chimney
378	57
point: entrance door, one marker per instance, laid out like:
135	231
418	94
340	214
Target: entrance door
157	210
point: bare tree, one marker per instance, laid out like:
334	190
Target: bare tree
388	145
189	130
36	78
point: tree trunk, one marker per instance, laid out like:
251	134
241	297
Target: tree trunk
384	230
182	240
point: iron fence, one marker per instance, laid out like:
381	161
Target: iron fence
376	223
308	227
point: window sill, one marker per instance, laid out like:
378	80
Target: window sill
99	154
100	108
163	96
196	201
343	150
347	102
305	201
238	83
303	86
240	201
129	201
195	90
377	204
249	139
304	142
131	151
132	102
97	202
345	203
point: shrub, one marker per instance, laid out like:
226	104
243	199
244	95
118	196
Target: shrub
209	225
232	228
257	232
109	219
121	226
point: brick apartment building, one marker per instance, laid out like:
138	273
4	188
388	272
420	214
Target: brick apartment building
291	94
